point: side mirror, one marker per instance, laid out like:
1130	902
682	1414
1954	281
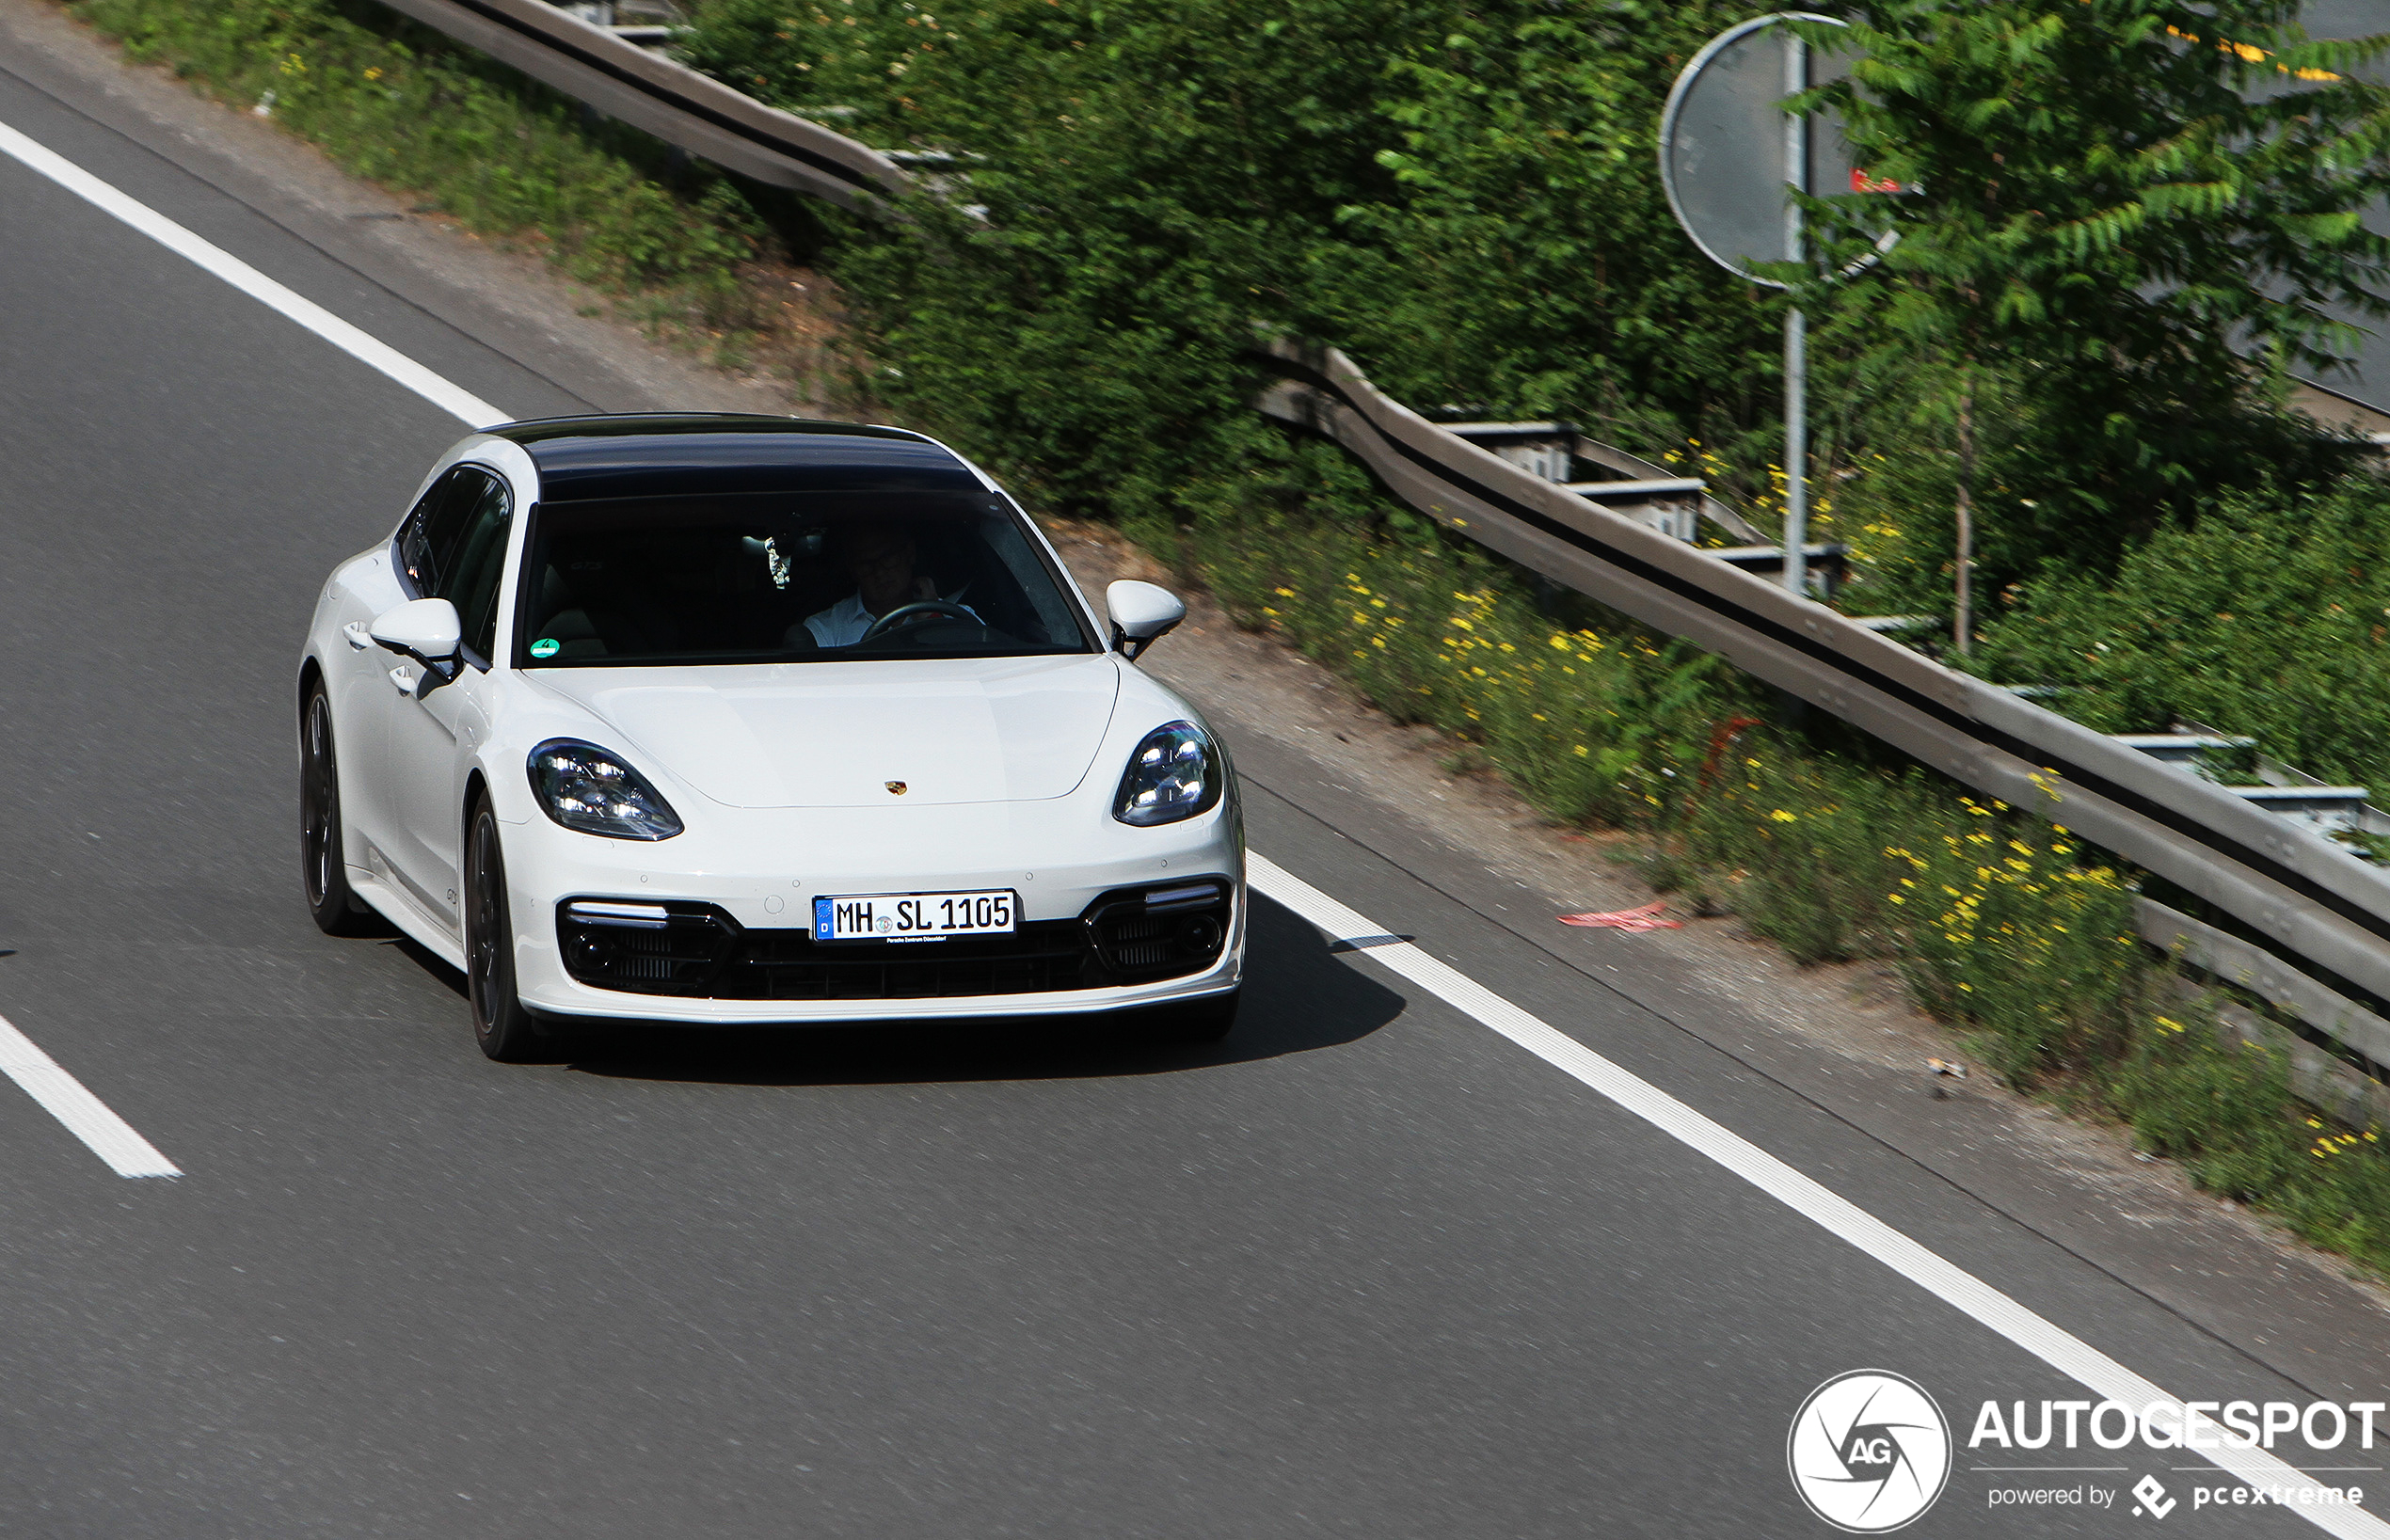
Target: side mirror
1142	615
427	631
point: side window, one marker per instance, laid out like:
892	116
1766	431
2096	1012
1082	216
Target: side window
427	542
469	579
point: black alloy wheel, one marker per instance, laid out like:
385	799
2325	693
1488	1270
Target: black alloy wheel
506	1031
324	863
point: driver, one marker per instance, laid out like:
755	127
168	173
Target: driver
879	560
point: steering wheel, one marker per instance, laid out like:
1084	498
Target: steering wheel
905	615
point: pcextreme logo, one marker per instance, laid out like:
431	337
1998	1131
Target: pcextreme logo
1869	1451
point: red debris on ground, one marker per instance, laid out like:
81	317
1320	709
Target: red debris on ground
1646	918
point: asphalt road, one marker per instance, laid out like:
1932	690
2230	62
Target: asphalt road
1368	1268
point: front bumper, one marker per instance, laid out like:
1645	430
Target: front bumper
762	883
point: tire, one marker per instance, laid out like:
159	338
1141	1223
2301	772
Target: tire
1207	1020
323	858
506	1031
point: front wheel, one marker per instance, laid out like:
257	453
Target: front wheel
505	1030
324	862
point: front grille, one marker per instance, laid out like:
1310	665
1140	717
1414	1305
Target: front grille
1128	936
1041	956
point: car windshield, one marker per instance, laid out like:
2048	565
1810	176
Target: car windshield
787	578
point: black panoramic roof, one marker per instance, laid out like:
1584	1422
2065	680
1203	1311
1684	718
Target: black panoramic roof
697	454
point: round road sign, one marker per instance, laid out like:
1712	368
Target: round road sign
1726	158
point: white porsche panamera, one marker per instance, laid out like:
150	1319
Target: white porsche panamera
756	720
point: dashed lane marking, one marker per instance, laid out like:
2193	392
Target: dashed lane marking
87	1116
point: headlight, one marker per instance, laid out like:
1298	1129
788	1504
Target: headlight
583	787
1174	774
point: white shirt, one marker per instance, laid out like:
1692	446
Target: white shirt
843	624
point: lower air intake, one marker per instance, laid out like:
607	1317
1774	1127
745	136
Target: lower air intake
1128	936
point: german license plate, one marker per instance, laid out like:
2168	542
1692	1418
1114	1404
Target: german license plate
913	916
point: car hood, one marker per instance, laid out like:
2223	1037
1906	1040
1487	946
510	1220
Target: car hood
846	734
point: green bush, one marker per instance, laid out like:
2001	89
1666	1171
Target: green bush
2000	923
2110	207
1464	196
2227	1112
2268	617
1582	711
393	101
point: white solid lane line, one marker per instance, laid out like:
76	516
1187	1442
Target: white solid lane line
450	398
2063	1351
86	1115
118	1144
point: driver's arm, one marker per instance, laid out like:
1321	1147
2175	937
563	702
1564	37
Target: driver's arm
840	625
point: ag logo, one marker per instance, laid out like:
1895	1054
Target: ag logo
1869	1451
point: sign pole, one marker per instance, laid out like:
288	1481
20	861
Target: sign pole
1796	332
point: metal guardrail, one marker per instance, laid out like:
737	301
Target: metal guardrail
2322	910
2319	1077
2325	914
1550	449
670	101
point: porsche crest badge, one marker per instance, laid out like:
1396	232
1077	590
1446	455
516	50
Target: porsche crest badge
895	788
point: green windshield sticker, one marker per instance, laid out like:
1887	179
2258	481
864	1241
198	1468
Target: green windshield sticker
546	646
